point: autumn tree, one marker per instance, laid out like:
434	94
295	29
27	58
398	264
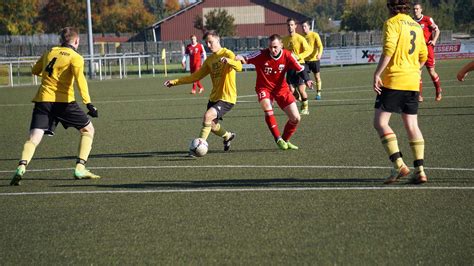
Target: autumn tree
218	20
57	14
123	16
19	17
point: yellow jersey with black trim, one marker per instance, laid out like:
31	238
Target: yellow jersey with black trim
58	68
298	45
315	44
404	42
224	87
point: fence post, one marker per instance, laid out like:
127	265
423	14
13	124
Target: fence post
139	67
10	71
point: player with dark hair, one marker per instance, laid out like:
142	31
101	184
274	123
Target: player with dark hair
312	62
221	66
431	34
271	65
55	103
196	53
396	82
298	45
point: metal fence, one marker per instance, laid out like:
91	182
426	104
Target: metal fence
20	46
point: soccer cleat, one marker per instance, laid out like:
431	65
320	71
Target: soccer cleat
291	146
193	92
201	90
304	111
420	98
85	174
16	180
318	95
228	141
418	177
282	144
438	96
396	174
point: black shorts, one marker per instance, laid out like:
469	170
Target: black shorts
47	115
221	108
292	78
396	101
313	66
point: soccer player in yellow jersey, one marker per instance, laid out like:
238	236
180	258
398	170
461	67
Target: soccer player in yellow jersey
222	67
298	45
312	62
396	82
55	103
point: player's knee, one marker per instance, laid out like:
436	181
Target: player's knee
89	129
295	119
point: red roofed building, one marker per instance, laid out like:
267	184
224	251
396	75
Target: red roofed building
252	18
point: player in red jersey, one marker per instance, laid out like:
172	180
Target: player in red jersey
197	54
271	65
431	33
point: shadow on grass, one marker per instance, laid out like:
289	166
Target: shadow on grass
172	155
240	183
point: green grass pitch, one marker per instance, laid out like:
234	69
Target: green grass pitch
323	204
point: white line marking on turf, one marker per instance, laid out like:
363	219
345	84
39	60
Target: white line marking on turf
230	190
145	167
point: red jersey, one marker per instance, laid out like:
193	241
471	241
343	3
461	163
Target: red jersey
271	70
428	26
195	53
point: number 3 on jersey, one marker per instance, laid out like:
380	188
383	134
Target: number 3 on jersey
412	41
49	67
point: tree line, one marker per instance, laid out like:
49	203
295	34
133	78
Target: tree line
25	17
363	15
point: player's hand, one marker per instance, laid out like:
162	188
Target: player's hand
241	59
225	60
378	84
168	83
309	84
183	65
93	112
461	75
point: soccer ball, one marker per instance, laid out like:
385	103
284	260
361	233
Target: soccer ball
198	147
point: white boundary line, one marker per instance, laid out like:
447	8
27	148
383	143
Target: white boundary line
146	167
232	190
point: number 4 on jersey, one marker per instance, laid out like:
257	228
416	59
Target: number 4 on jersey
49	67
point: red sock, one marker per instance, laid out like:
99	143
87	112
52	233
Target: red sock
272	123
290	129
199	84
194	86
437	84
421	87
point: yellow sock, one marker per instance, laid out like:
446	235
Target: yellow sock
28	151
85	145
305	104
418	149
205	130
80	167
318	85
390	143
221	132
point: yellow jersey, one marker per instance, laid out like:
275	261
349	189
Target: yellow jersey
222	76
315	44
298	45
404	42
58	68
